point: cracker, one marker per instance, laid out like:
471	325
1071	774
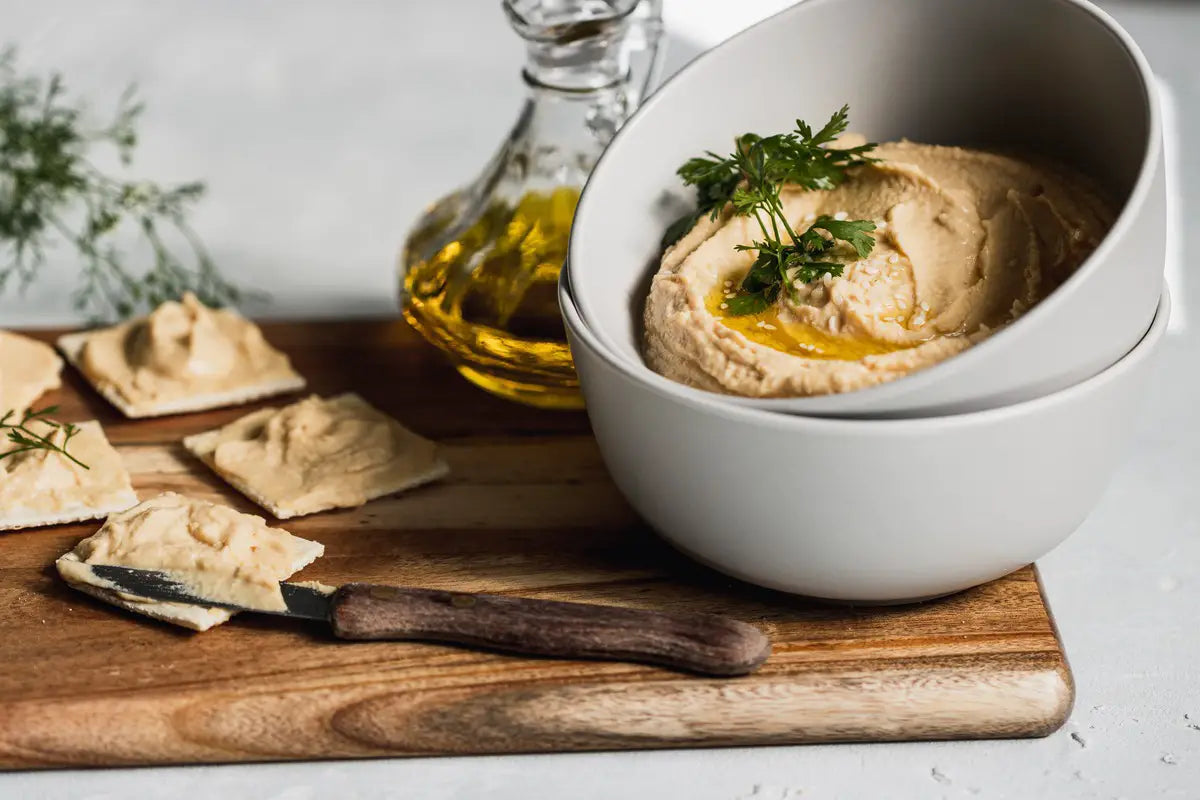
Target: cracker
17	347
79	576
203	446
106	466
81	513
197	618
71	346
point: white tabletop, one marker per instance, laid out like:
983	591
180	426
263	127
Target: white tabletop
323	128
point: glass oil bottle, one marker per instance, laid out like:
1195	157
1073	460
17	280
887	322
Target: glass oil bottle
479	270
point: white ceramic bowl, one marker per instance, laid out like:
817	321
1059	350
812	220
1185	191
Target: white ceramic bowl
1056	77
867	511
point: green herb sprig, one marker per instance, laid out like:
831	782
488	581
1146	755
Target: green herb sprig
779	265
25	439
51	193
751	178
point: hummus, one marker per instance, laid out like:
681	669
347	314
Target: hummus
318	454
966	242
28	368
217	552
44	487
183	356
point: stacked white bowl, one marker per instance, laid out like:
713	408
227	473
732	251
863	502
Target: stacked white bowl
958	473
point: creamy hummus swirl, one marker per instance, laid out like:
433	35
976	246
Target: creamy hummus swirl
967	241
181	349
28	368
216	552
317	454
44	482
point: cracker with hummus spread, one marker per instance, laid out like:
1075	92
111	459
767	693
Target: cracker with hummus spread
216	551
182	357
28	369
318	454
42	486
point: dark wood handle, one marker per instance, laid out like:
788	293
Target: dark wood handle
700	643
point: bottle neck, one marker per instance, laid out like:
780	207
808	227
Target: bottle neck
581	66
579	77
579	120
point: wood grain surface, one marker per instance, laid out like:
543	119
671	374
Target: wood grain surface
527	510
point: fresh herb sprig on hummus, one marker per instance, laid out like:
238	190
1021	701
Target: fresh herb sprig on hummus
26	439
780	265
751	178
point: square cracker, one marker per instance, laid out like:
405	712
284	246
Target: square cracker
17	520
71	346
120	498
203	446
15	347
197	618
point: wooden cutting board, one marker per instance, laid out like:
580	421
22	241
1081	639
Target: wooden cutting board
528	510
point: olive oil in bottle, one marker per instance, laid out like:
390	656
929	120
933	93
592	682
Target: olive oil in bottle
479	270
489	299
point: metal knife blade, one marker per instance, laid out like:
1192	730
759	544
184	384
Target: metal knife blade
306	602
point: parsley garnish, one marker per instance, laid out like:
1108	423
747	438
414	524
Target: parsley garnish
26	439
750	179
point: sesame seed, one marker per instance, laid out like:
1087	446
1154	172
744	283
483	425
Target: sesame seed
841	215
760	324
723	305
893	258
901	303
924	306
768	326
871	269
833	324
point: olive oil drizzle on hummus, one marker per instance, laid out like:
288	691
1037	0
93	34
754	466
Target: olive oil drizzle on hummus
796	338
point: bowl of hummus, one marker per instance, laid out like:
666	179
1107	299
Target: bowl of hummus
1017	224
858	510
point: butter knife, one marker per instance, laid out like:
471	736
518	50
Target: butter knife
700	643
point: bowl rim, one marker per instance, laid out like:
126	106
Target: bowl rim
713	403
920	379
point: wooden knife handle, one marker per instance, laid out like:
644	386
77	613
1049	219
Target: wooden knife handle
700	643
